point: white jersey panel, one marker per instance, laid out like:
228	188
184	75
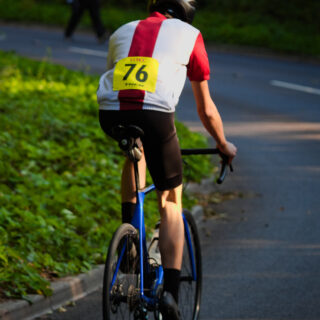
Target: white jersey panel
119	46
174	45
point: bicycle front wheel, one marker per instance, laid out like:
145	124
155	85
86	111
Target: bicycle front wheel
191	271
121	282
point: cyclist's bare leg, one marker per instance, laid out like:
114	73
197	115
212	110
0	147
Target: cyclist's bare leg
128	186
170	207
171	233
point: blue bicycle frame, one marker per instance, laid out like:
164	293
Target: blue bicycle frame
138	223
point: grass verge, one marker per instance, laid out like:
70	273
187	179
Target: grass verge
59	175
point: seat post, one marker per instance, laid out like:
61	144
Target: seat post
136	175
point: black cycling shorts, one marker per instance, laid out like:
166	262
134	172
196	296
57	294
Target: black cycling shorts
160	142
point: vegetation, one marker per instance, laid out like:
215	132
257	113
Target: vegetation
284	26
59	175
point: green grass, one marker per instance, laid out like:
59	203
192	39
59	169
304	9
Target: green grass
291	27
59	175
260	32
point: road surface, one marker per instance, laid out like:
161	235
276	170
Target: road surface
261	250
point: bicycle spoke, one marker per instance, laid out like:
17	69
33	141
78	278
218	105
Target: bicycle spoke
121	279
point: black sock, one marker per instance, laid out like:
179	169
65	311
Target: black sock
128	209
171	282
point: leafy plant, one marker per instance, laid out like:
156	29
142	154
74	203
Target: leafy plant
59	176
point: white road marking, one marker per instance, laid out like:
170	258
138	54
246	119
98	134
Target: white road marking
296	87
3	36
89	52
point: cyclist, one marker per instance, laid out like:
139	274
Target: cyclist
147	64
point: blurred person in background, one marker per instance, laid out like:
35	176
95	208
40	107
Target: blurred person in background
78	7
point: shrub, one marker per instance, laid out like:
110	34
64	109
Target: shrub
59	175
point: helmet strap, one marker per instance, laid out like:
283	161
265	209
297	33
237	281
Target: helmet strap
168	15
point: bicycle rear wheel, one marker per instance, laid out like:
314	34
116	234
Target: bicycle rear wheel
190	284
121	282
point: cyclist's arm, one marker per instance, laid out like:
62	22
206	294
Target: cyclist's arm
210	117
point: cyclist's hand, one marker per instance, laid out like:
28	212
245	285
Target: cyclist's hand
228	149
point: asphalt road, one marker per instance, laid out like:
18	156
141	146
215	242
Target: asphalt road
261	250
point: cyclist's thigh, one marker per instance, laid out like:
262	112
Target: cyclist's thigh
162	150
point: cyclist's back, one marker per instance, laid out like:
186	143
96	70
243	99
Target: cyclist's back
177	46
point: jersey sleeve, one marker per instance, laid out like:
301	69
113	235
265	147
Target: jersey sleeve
198	68
110	63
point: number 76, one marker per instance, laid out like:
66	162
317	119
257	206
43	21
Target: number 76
140	75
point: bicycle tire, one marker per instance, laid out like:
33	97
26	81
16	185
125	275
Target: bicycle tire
121	298
190	289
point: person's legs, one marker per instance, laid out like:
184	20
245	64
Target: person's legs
171	233
171	228
109	120
94	10
171	237
162	152
77	11
164	162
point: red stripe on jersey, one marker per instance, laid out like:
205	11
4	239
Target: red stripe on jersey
131	99
145	36
142	45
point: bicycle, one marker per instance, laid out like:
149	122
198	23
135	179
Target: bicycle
132	282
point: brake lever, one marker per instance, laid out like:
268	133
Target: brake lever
224	165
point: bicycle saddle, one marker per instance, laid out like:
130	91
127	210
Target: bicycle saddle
130	131
129	139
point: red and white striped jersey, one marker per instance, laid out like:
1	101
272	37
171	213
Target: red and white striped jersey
147	64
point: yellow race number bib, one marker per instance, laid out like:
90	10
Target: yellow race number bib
136	73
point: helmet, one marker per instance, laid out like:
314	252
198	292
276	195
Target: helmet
180	9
